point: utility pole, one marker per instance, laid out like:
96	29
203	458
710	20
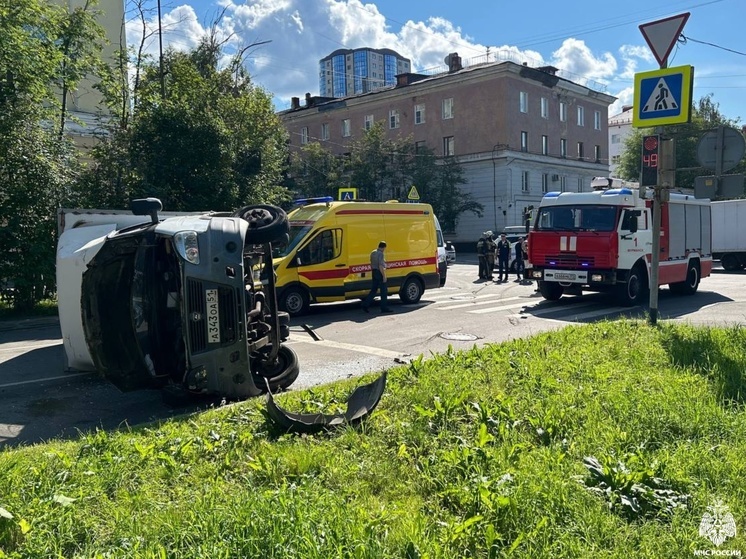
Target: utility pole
160	47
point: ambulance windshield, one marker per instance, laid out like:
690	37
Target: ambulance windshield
301	221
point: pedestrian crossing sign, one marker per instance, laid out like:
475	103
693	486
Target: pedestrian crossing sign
348	193
413	194
663	97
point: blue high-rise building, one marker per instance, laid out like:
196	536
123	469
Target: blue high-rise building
347	72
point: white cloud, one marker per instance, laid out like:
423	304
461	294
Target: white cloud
302	32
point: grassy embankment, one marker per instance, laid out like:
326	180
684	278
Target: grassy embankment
470	454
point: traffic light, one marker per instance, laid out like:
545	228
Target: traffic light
527	217
650	160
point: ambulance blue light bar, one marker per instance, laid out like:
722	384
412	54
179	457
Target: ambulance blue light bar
617	192
317	200
552	194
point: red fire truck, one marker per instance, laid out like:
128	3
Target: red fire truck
602	241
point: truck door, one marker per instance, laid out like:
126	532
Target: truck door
320	265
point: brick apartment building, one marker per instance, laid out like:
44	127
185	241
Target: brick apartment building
517	131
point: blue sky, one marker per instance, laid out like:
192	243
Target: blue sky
592	40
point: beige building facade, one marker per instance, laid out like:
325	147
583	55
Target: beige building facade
85	104
517	131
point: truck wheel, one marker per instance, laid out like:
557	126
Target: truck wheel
294	301
731	263
280	374
690	285
633	291
267	224
551	291
411	291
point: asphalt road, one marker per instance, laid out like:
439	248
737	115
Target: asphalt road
334	341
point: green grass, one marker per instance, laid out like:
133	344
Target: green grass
470	454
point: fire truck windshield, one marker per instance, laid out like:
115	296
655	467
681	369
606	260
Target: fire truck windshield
577	218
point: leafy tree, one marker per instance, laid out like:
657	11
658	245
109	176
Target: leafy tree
316	172
705	116
213	142
36	165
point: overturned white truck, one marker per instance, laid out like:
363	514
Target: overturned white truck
172	301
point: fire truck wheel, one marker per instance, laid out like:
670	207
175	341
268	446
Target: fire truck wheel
294	301
267	224
411	291
551	291
280	374
633	292
690	285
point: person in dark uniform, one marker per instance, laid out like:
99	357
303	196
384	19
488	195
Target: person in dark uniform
503	258
482	255
519	260
491	248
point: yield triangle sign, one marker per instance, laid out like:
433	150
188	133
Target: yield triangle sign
662	35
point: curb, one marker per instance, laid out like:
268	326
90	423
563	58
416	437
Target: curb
28	323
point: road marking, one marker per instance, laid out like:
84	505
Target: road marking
502	308
355	347
9	348
45	379
570	316
474	302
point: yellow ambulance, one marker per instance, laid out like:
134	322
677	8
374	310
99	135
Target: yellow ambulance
327	257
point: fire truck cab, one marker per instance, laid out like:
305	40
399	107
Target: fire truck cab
602	241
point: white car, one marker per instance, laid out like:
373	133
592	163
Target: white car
173	303
450	252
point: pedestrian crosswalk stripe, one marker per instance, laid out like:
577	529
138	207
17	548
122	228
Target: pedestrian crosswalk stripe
474	302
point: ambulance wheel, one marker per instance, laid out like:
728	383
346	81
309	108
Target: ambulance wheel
633	291
690	285
267	224
550	290
411	291
294	301
280	374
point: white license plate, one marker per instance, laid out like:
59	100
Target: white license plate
213	316
572	277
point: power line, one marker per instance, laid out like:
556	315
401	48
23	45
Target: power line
687	39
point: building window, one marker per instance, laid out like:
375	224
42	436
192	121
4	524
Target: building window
419	114
448	149
616	139
563	183
524	102
544	107
581	116
420	146
524	181
597	120
580	184
325	131
346	127
580	150
393	119
368	122
563	147
545	183
563	111
304	135
597	153
447	108
524	141
545	145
